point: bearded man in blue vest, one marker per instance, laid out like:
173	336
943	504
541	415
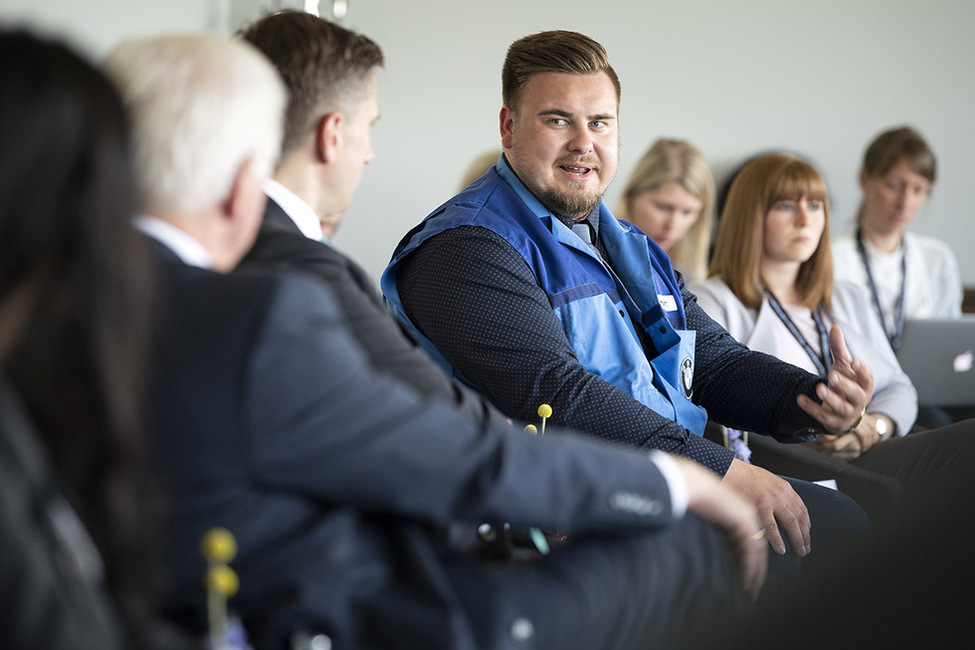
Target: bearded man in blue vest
526	287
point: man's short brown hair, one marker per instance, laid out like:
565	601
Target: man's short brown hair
554	51
324	66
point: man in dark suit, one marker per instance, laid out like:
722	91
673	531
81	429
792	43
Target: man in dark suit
328	71
340	482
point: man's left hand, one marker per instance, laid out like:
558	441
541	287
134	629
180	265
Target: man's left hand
847	391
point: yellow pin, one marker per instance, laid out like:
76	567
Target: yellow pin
223	580
538	537
218	547
544	412
531	428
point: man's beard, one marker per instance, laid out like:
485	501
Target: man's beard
575	205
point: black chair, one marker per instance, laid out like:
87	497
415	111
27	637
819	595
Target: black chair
877	495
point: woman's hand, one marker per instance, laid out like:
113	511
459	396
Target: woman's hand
844	446
848	446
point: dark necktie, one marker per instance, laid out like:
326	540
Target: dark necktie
584	231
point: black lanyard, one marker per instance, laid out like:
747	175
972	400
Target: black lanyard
821	360
895	336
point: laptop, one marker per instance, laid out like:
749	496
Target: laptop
939	357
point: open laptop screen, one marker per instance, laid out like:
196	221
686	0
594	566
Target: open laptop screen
939	357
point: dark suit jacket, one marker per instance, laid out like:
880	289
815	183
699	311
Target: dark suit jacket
338	481
281	245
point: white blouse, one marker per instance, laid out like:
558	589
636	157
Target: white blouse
894	394
933	287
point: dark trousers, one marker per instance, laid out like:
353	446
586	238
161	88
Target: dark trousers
924	461
889	475
836	520
904	587
635	591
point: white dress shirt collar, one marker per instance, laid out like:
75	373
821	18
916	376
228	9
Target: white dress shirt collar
299	211
179	241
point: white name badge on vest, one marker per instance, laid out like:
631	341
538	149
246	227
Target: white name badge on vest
667	302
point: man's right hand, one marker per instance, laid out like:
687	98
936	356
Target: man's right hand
776	502
734	516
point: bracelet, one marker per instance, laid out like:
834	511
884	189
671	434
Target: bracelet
856	422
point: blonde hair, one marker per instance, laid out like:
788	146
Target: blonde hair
739	246
479	166
681	162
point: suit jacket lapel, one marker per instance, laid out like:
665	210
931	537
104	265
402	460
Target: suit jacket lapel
276	219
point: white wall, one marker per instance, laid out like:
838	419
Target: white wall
94	26
735	78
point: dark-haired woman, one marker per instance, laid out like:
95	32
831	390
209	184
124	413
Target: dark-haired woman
73	297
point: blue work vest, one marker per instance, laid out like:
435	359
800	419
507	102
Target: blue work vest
596	311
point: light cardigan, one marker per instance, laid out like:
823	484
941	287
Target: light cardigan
933	287
762	330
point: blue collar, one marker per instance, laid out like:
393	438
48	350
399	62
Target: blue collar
511	178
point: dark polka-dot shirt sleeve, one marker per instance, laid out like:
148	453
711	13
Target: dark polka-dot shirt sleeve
742	388
476	299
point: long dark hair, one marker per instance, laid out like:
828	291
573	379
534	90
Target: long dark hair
74	291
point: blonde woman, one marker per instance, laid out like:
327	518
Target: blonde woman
670	197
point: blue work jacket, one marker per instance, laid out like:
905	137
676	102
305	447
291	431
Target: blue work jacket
597	306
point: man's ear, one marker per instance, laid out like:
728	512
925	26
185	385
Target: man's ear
246	199
507	120
241	212
328	136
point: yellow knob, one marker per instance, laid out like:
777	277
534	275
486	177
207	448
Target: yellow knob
218	545
531	428
545	411
223	580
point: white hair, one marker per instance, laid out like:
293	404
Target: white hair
201	105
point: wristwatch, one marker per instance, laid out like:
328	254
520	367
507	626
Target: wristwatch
880	425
